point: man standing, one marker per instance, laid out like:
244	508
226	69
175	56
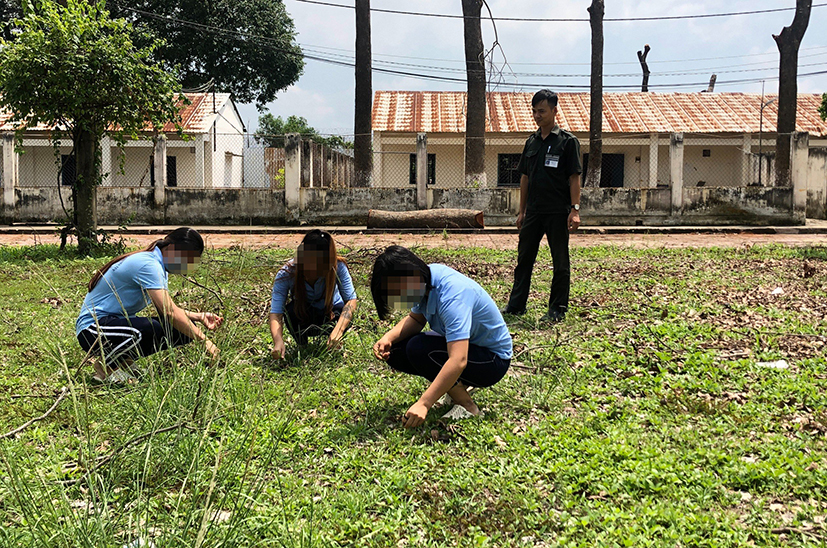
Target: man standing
549	204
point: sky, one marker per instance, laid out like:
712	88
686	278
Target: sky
734	47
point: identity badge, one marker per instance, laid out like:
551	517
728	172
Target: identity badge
552	160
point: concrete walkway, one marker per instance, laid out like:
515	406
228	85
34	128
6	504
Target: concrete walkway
258	237
813	226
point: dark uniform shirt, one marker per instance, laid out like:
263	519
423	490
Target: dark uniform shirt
549	163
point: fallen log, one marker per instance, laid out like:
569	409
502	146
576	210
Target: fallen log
426	218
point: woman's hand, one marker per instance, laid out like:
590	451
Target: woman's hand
415	415
277	352
382	348
334	341
212	349
211	321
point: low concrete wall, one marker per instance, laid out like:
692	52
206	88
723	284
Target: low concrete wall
626	206
351	205
817	184
601	206
739	205
182	206
231	206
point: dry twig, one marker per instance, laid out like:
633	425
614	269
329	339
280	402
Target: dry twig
19	429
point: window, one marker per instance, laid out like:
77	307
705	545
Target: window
68	170
507	174
431	169
611	170
172	171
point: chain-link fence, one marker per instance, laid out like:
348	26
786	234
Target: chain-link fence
395	162
236	160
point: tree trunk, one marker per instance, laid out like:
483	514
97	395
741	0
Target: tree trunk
595	166
475	110
788	43
641	56
362	142
426	218
87	157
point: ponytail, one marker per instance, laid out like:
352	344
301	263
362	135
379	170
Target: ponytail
184	238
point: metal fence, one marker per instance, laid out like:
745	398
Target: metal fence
236	160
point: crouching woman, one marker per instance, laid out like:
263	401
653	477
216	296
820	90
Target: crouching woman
108	326
469	344
313	294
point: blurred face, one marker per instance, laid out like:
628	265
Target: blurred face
180	261
312	261
405	291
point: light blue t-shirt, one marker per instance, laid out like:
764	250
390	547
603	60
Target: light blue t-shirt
123	289
283	286
458	308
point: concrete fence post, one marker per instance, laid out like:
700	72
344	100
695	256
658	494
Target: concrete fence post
800	164
653	160
200	162
676	169
159	162
106	161
422	171
746	161
292	173
10	172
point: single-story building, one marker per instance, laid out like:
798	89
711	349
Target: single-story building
209	154
726	137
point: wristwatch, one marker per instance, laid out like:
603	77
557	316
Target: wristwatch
576	207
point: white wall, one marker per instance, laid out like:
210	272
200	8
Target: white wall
228	150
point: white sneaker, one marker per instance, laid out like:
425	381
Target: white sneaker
458	413
119	377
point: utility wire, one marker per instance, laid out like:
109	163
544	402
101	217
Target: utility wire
561	20
636	63
719	70
276	45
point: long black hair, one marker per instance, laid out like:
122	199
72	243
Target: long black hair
395	261
321	242
184	239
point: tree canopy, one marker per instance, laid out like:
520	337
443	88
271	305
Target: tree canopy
76	69
823	108
272	129
247	47
212	39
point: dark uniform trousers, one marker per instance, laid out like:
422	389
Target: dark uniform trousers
555	227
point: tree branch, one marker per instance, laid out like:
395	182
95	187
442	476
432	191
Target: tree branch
19	429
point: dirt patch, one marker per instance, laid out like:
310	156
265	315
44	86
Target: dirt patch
452	241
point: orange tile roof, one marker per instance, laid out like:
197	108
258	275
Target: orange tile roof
197	117
510	112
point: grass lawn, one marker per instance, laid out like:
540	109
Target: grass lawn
646	419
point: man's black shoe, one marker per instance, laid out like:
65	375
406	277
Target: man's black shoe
513	311
554	316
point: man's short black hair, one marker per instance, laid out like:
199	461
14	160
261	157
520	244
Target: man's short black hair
396	261
544	95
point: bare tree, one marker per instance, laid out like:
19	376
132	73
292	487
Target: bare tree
788	43
596	11
475	110
641	56
362	142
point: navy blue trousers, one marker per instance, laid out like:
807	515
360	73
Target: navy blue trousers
424	354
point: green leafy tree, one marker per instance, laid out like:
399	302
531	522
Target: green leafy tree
247	47
272	130
9	11
822	110
76	69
